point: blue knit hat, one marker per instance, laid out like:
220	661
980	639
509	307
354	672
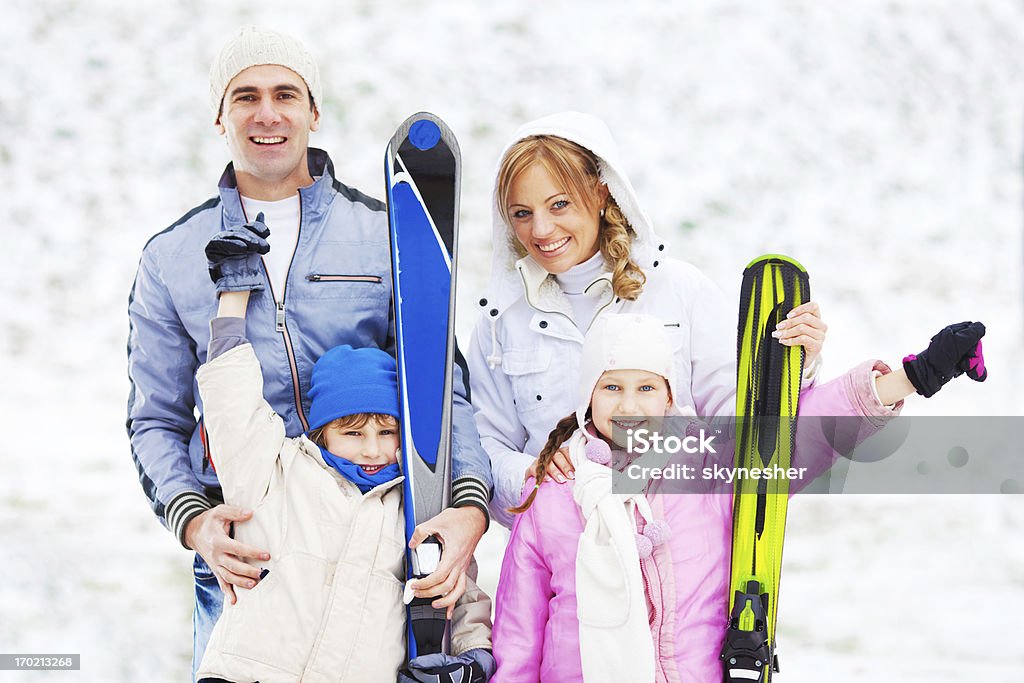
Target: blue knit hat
349	381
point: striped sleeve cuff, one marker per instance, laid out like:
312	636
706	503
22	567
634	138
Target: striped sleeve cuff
471	491
182	509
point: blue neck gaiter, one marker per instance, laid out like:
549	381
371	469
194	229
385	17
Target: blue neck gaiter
355	474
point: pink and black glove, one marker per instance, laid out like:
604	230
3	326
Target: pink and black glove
233	256
956	349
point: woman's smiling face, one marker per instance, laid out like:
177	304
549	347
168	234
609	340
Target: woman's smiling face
557	229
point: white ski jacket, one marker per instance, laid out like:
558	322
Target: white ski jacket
330	608
525	354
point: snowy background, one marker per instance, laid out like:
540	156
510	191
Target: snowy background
878	142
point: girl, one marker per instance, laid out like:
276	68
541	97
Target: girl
597	586
328	506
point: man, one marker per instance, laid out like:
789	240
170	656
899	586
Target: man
328	283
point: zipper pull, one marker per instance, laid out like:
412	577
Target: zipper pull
280	317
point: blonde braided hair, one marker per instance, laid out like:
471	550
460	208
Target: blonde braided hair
559	435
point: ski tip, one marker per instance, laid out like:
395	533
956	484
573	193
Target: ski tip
776	258
424	134
423	131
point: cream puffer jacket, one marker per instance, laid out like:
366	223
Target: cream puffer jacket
330	608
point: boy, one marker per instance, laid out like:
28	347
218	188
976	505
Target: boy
328	506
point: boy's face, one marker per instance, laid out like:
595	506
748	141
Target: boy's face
372	446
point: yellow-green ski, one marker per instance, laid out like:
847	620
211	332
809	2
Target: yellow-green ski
767	396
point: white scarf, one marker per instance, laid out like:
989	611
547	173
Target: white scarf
615	636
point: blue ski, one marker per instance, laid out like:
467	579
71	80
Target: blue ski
422	174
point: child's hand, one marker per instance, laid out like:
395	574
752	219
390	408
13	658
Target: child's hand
803	327
560	468
233	257
954	350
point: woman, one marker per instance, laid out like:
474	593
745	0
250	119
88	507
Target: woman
570	244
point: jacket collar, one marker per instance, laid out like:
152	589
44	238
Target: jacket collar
314	198
533	275
543	292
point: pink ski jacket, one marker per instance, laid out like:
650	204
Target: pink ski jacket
536	630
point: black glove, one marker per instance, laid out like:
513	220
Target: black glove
956	349
233	256
473	666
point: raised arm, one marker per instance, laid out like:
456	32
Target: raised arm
233	304
953	351
233	257
870	391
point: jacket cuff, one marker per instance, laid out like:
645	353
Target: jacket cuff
182	509
470	491
227	326
226	333
240	279
508	470
865	395
810	374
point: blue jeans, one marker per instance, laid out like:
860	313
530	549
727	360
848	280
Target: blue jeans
209	604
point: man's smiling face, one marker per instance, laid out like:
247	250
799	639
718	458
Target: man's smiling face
266	117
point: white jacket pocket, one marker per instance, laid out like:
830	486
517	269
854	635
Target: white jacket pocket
528	371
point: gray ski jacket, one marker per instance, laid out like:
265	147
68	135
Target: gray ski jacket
338	291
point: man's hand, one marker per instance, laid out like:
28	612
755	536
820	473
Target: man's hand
459	530
208	535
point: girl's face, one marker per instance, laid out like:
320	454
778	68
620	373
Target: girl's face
372	446
556	229
628	399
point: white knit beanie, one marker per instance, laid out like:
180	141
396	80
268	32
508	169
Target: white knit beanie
253	46
624	341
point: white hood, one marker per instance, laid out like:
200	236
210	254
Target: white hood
589	132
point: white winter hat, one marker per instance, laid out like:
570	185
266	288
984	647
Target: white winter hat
626	341
253	46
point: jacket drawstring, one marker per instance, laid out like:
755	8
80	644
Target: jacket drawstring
494	359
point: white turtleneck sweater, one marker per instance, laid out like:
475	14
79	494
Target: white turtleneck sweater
576	283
